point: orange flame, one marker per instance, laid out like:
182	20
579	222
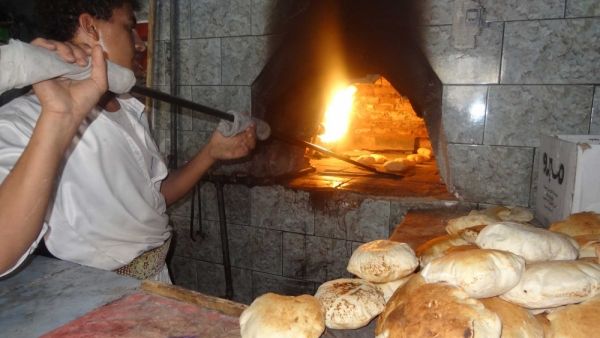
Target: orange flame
337	117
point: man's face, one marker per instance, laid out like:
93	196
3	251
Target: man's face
119	39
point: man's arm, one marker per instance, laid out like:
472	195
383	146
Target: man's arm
26	191
180	182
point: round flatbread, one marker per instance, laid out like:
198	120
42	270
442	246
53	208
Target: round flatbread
516	321
455	225
555	283
437	247
576	321
533	244
480	273
583	223
382	261
388	289
277	316
349	303
438	310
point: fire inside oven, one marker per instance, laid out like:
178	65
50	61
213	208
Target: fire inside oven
371	123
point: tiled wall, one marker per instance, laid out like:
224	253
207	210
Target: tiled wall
534	69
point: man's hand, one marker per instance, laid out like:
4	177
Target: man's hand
69	52
227	148
74	99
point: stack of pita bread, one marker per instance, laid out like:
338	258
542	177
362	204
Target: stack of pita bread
496	275
493	275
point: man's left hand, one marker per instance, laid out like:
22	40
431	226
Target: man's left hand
227	148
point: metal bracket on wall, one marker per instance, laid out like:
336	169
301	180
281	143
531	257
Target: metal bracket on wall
466	23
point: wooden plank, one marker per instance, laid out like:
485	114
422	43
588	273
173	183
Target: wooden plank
174	292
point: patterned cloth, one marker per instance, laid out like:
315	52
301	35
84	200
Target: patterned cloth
148	264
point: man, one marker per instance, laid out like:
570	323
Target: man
78	165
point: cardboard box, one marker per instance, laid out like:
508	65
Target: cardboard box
568	176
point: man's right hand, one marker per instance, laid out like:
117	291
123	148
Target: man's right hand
74	99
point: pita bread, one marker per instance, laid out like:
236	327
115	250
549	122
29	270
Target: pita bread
576	321
480	273
516	321
437	247
555	283
439	310
544	322
583	223
276	316
349	303
426	152
382	261
398	298
533	244
455	225
398	164
511	214
470	234
389	288
588	244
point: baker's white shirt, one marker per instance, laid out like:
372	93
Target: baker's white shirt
107	208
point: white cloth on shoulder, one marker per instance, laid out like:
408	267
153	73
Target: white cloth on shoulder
23	64
242	120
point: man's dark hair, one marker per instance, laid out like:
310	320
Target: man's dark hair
58	19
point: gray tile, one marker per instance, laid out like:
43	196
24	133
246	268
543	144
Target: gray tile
508	10
242	285
211	278
579	8
294	255
551	52
199	62
340	255
237	202
330	212
262	10
478	65
595	126
397	213
210	96
163	26
224	98
263	283
243	59
183	271
519	115
464	110
207	248
437	12
369	222
266	251
492	174
217	18
189	144
319	257
240	245
185	117
208	193
181	208
162	62
282	209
